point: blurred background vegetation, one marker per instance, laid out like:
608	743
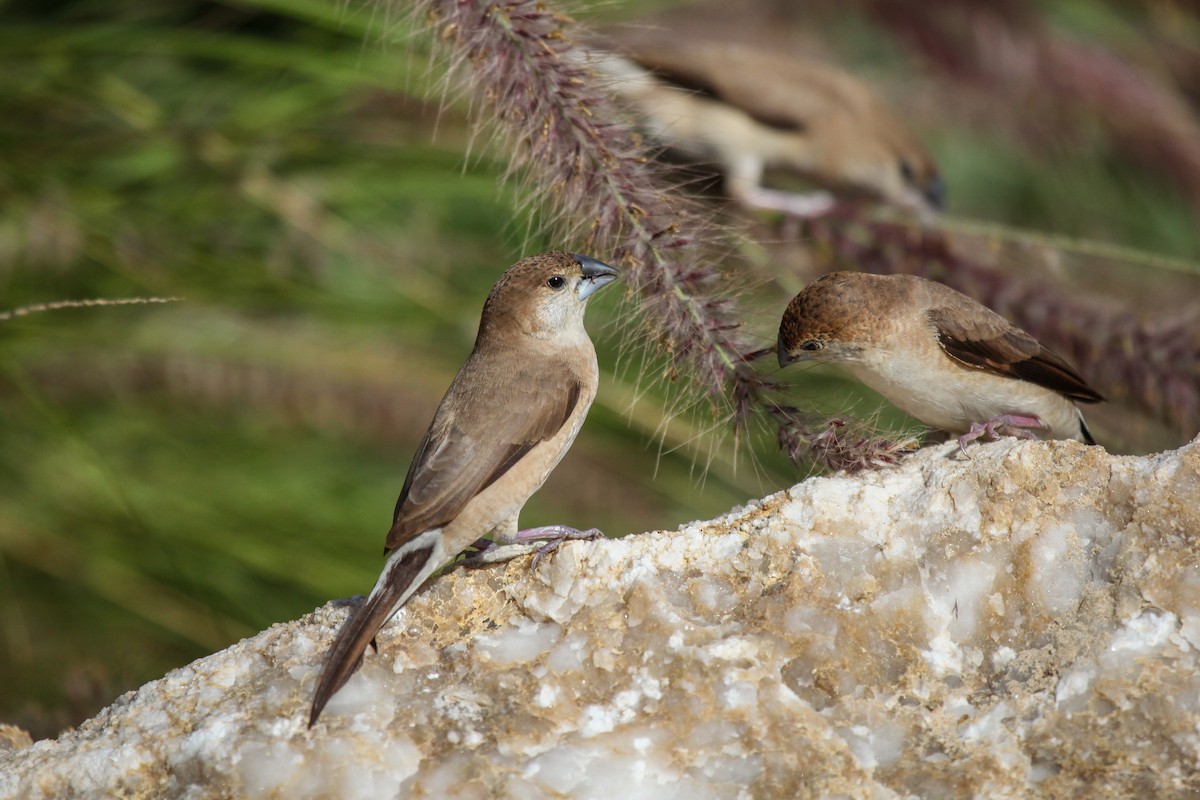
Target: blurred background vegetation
175	477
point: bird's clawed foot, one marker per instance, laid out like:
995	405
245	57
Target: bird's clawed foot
1005	425
554	535
489	552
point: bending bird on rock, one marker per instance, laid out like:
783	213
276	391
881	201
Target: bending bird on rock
938	355
507	419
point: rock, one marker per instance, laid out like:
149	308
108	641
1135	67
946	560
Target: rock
13	738
1021	623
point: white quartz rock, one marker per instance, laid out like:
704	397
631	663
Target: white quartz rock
1023	622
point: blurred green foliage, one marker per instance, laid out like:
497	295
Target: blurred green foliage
175	477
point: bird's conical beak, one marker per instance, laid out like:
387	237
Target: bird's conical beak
785	357
596	275
935	193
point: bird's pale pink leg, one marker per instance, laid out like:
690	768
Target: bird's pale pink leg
1004	425
488	551
1014	425
744	184
554	535
805	206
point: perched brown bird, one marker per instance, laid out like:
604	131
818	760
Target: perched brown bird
509	416
937	354
751	111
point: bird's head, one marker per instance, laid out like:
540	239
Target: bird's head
827	321
921	185
544	295
893	163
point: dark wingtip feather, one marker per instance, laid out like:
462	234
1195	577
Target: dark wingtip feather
1049	369
1083	429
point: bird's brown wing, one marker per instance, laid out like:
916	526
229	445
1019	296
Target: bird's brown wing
978	337
499	417
702	71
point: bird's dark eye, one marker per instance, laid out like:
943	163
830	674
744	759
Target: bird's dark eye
907	172
556	282
811	344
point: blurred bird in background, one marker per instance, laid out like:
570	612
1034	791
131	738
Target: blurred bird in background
938	355
753	112
510	415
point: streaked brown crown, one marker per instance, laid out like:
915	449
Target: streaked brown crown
528	277
524	287
824	310
543	296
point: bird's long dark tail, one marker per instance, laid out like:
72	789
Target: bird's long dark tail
406	569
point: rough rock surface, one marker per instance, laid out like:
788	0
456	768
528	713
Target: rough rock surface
1021	623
